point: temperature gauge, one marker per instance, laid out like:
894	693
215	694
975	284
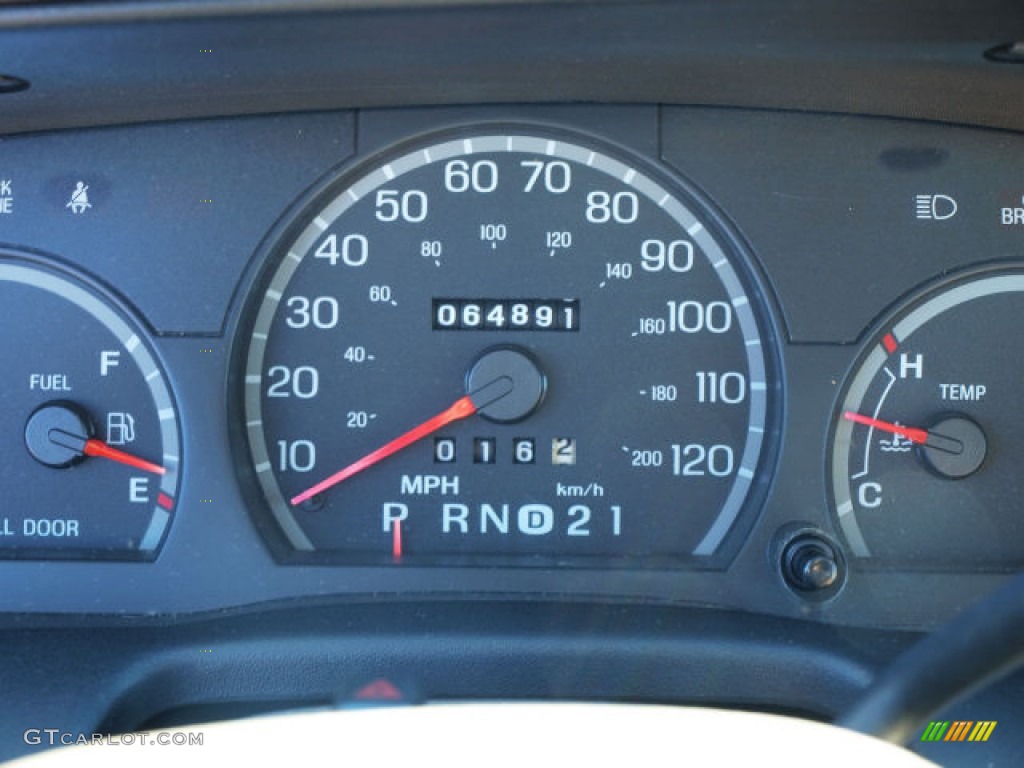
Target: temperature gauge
88	427
929	435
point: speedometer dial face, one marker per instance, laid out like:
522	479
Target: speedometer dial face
510	349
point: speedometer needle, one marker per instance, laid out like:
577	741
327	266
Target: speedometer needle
462	408
913	434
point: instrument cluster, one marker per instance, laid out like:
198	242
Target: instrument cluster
611	351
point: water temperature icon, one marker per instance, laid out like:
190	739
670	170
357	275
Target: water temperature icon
89	430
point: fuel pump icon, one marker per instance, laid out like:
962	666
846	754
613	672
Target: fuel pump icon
120	428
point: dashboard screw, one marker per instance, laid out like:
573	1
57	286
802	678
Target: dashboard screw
818	571
812	567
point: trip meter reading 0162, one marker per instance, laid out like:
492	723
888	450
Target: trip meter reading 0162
513	349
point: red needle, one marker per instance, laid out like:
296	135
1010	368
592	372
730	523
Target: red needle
919	436
396	540
99	448
460	409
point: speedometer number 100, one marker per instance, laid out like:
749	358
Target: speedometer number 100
689	317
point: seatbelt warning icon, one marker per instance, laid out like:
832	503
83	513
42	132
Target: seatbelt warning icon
79	201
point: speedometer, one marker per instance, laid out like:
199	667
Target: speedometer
505	347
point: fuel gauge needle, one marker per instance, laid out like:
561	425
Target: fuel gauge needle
97	448
915	435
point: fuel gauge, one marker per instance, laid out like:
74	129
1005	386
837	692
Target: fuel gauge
927	442
88	428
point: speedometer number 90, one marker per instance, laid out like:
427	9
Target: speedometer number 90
509	349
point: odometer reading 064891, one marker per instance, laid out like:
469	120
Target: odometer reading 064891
604	399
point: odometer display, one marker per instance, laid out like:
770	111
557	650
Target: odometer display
604	400
506	315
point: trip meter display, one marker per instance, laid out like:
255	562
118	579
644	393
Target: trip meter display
505	348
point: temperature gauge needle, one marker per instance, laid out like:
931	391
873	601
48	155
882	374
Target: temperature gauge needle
913	434
462	408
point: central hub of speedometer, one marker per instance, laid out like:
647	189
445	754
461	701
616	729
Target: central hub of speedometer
517	384
510	349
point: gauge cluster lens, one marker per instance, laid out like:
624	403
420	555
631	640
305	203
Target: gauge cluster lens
91	450
924	454
505	348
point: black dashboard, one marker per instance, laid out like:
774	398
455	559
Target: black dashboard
709	309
